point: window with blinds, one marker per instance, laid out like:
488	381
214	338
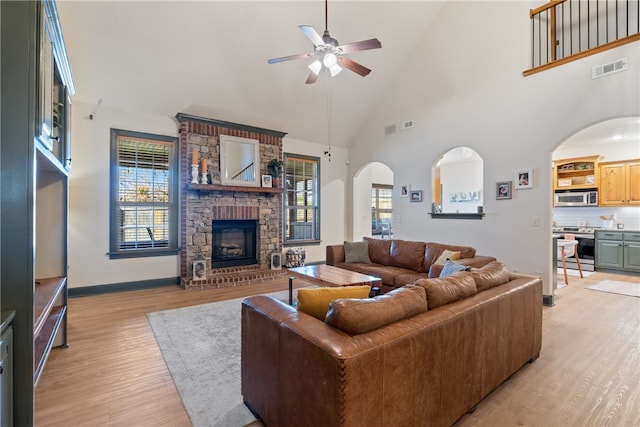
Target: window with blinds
143	194
302	199
381	208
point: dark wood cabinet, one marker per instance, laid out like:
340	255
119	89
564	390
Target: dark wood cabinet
35	146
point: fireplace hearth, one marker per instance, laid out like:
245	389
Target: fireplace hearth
234	243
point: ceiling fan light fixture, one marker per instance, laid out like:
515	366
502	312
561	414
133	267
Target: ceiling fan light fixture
335	70
330	60
315	67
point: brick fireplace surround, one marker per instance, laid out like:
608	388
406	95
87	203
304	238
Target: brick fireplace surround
200	204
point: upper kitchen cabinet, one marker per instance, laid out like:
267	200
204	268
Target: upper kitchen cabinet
54	88
576	173
620	183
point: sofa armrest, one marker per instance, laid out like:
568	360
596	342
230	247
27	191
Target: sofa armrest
335	254
477	262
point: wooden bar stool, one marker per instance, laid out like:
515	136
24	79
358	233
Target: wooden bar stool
567	248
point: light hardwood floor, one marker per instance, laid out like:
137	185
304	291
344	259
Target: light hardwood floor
113	374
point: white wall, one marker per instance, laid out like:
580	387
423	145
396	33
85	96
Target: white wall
470	91
461	177
89	264
333	193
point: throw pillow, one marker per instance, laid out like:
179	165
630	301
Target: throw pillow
445	290
315	301
445	255
356	252
357	316
451	267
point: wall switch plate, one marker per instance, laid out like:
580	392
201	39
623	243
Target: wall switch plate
535	221
620	226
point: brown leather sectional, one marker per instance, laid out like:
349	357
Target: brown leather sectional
427	369
399	262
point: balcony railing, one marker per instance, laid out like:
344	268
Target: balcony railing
566	30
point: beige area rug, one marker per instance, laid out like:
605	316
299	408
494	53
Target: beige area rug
201	348
617	287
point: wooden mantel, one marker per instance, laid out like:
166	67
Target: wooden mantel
232	188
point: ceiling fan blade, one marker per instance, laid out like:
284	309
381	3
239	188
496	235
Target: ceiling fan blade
353	66
312	35
289	58
361	45
311	79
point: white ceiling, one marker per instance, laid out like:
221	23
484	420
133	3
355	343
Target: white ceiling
209	58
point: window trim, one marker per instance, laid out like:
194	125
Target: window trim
285	206
115	252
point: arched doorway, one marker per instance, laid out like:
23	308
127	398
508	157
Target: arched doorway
367	182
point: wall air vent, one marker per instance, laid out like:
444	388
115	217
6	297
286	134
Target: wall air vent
406	125
390	129
609	68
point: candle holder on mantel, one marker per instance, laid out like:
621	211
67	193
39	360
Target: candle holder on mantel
203	178
194	174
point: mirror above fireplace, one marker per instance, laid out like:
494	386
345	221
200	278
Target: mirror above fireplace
239	161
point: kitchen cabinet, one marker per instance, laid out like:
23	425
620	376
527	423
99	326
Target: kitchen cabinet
35	156
620	183
576	173
618	250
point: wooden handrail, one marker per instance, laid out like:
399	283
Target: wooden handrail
544	7
563	31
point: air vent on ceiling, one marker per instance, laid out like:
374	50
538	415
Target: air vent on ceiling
609	68
390	129
408	124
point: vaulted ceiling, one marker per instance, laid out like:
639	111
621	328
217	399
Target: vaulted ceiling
209	58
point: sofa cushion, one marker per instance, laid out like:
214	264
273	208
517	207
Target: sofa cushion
356	252
445	290
379	250
445	255
407	254
451	267
357	316
492	274
315	301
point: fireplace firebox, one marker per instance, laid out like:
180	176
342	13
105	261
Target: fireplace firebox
234	242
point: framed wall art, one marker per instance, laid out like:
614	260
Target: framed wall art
524	179
267	180
404	190
503	190
276	261
199	269
415	195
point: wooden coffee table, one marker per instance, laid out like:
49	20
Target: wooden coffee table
328	275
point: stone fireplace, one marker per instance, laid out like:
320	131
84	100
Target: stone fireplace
233	242
234	229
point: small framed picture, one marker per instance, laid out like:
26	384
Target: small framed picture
199	269
415	195
524	179
267	180
404	190
276	261
503	190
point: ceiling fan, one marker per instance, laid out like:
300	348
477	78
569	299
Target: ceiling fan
328	53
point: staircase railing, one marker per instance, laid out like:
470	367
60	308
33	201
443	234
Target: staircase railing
565	30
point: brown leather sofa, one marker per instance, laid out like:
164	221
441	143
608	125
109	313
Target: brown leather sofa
427	369
400	262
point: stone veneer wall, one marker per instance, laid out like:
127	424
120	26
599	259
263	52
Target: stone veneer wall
200	207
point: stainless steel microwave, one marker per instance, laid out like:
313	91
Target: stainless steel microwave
576	198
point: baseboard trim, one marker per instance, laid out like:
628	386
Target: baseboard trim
123	287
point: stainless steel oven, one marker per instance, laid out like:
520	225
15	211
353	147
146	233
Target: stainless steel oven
586	247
